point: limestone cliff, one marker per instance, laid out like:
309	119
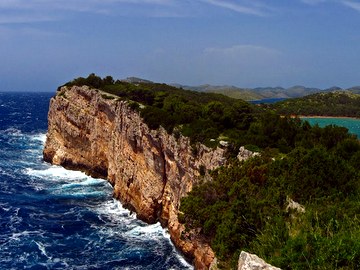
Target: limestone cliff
150	170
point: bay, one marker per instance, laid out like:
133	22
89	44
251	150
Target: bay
352	124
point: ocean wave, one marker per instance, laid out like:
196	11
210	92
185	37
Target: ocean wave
42	248
55	173
114	208
11	131
41	137
126	225
88	182
149	231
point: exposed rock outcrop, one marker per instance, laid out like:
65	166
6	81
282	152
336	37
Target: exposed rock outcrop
249	261
245	154
150	170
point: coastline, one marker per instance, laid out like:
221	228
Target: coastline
324	116
150	170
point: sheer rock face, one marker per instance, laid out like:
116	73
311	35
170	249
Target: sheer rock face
249	261
150	170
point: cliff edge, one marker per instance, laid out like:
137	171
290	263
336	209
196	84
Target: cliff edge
150	170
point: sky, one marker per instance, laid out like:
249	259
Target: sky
245	43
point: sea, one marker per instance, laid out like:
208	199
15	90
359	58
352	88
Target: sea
352	124
267	100
53	218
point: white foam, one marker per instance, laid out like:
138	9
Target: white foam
113	207
79	194
181	258
88	182
6	209
150	231
39	137
42	249
19	235
12	131
56	172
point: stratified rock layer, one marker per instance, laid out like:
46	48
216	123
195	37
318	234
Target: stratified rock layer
150	170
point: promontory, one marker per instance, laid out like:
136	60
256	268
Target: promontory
220	174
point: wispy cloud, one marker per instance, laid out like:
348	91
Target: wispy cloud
245	8
152	8
53	7
352	4
348	3
313	2
71	4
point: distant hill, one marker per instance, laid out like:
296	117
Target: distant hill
280	92
336	103
355	89
264	92
135	80
230	91
257	93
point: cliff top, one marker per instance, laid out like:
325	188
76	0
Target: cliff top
207	118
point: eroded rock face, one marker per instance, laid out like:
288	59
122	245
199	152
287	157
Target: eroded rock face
245	154
150	170
249	261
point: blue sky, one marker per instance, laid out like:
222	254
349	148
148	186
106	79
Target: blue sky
246	43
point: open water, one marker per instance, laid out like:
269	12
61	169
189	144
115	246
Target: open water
52	218
352	124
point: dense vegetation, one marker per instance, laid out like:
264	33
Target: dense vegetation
246	205
338	103
204	117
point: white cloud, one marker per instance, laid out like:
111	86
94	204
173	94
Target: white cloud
33	8
348	3
153	8
351	4
313	2
251	9
71	4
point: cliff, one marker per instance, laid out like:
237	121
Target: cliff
150	170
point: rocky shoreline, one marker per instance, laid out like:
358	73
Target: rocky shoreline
150	170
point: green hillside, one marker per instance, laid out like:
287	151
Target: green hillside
230	91
338	103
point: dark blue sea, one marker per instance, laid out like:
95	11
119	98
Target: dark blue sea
52	218
267	100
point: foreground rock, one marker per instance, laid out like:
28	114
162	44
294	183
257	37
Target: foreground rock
150	170
249	261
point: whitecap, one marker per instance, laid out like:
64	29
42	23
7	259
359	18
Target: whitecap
12	131
88	182
112	210
56	172
78	194
149	231
18	235
39	137
42	249
5	207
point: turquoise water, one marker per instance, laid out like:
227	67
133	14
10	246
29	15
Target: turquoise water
352	124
